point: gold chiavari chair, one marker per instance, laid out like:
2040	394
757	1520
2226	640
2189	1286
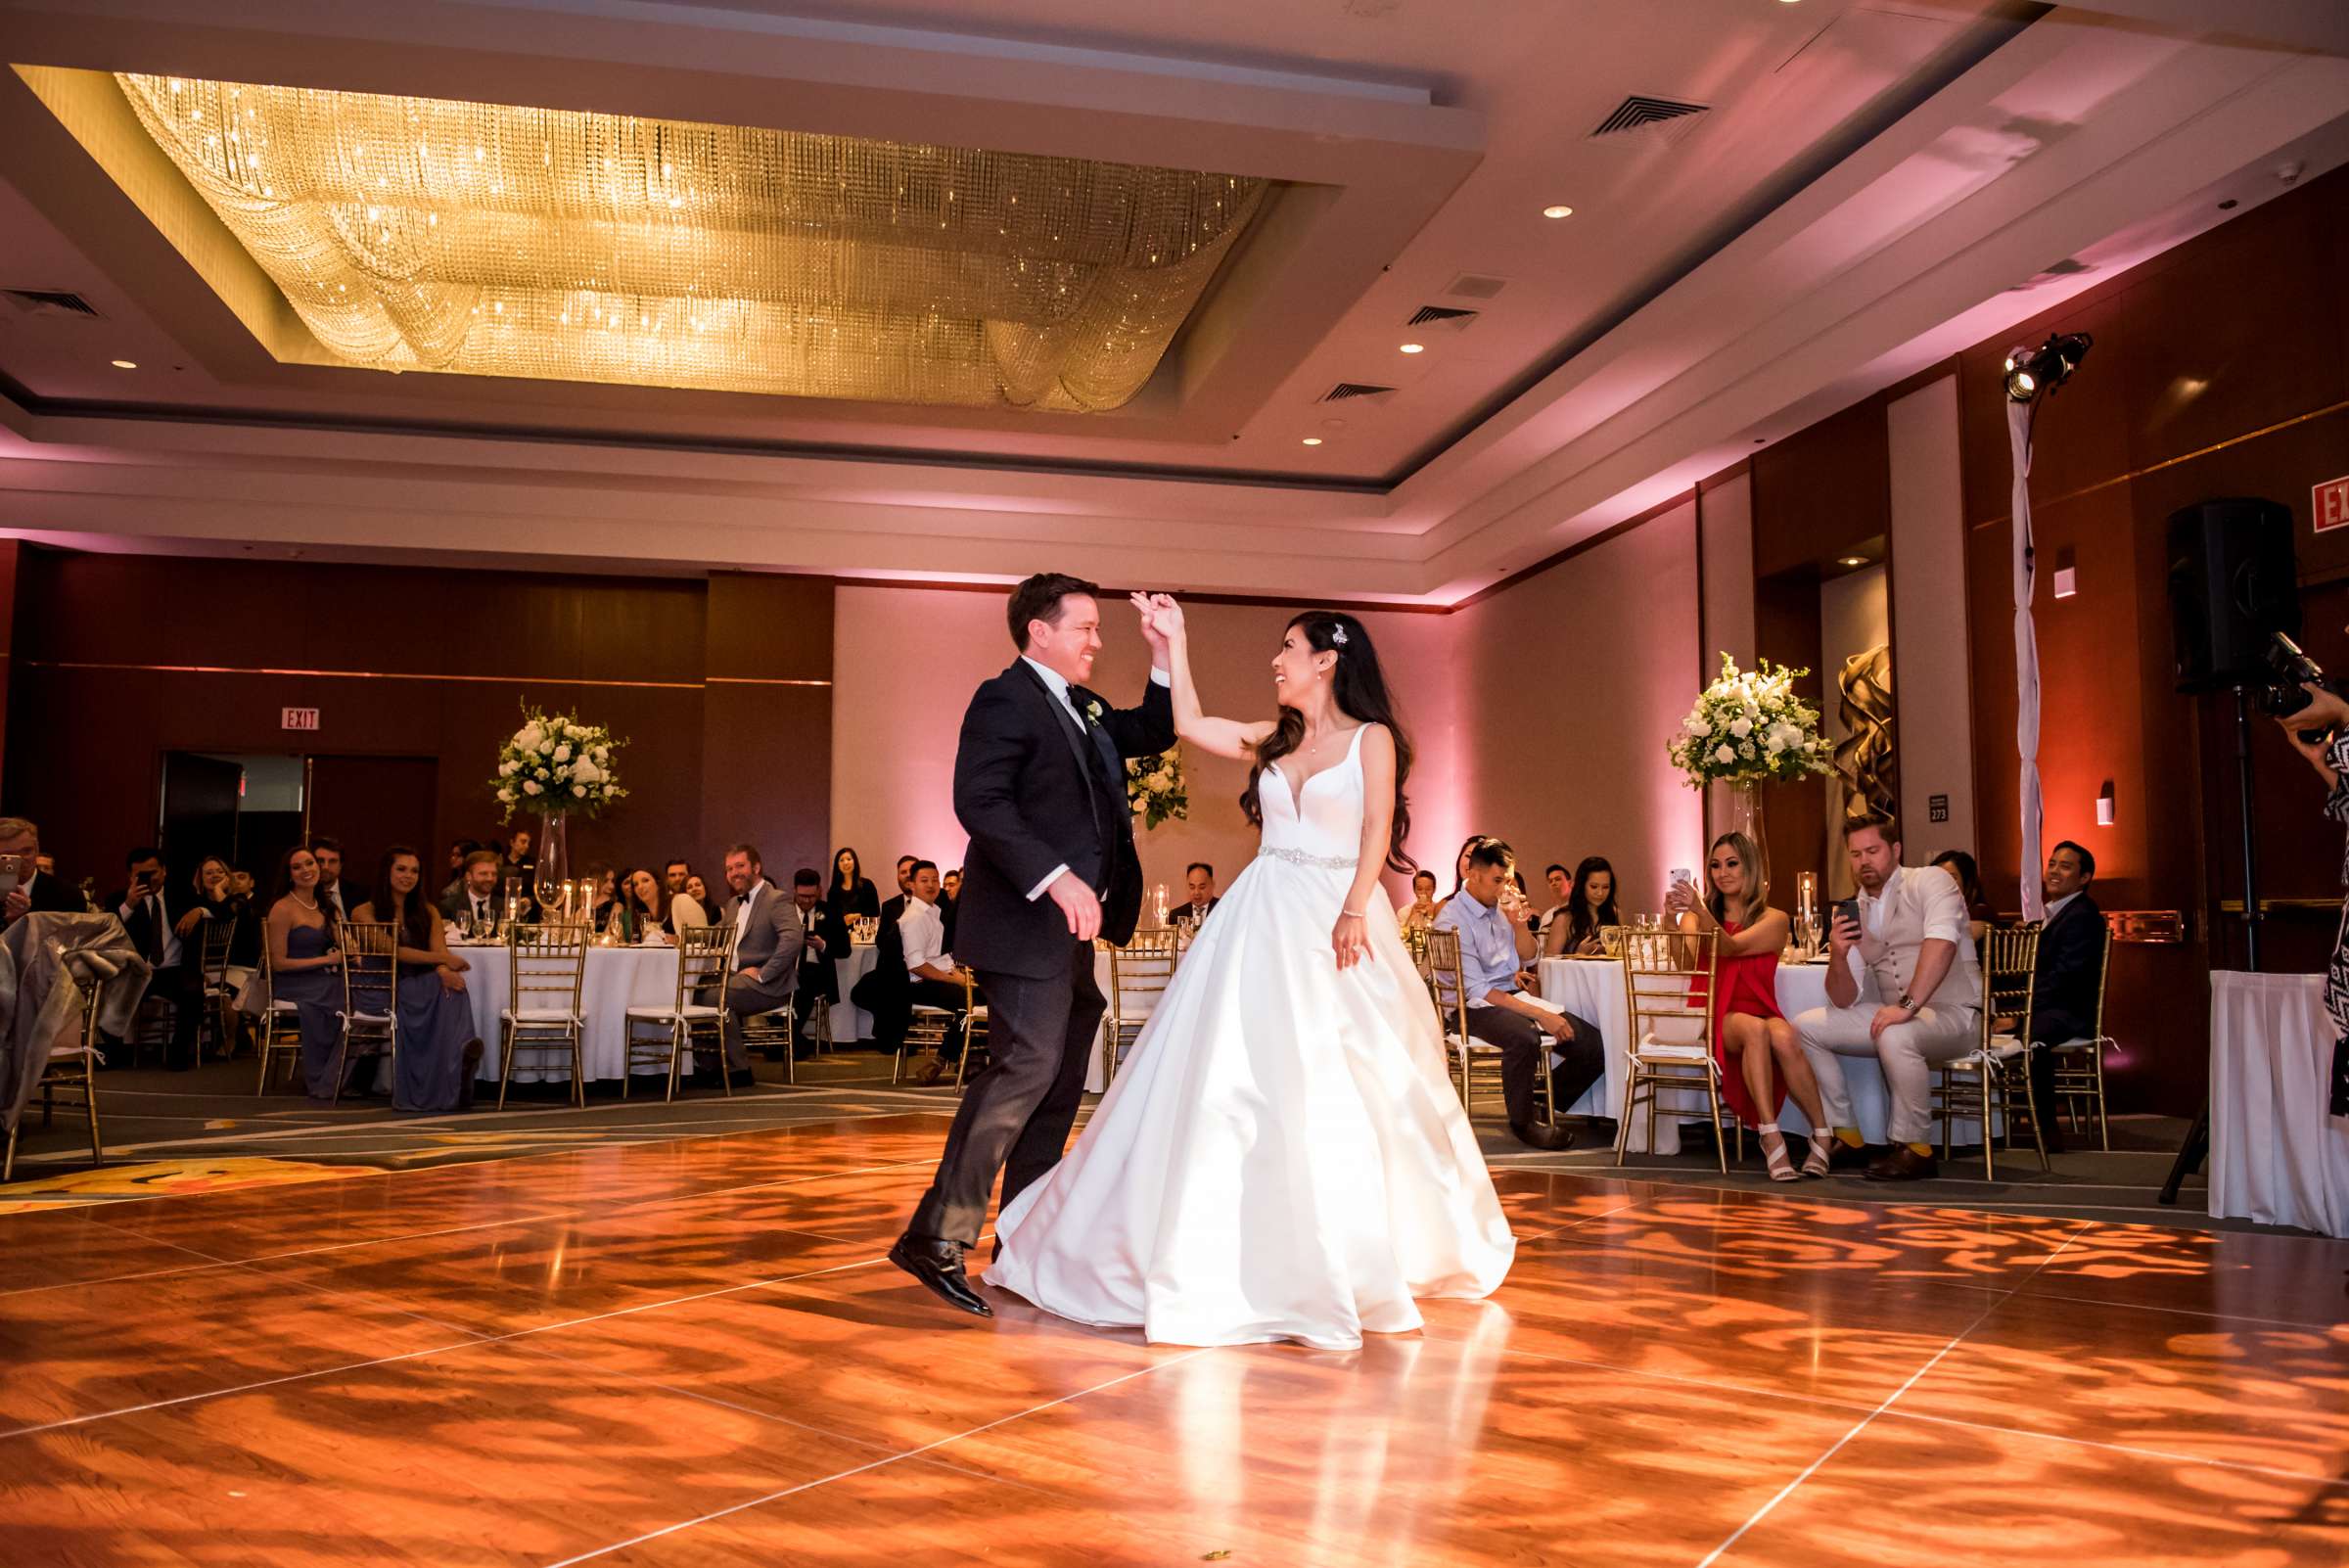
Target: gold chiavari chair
974	1024
1668	980
370	995
926	1029
2079	1076
220	997
72	1067
1139	974
547	969
667	1035
774	1035
1986	1082
277	1027
1441	966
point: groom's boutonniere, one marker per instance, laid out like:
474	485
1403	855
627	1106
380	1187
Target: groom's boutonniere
1092	710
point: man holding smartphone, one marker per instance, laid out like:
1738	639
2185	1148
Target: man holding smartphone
1912	931
25	888
151	915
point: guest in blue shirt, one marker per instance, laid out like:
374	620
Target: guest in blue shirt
1496	945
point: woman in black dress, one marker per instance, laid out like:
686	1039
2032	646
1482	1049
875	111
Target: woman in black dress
851	893
2330	755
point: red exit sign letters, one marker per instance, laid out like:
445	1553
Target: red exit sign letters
2329	502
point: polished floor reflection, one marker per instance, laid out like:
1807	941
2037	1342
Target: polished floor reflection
692	1352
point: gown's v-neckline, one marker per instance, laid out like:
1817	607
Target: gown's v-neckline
1297	790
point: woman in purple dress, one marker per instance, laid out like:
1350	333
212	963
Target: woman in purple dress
438	1050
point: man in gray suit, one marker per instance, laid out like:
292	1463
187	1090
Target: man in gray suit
768	935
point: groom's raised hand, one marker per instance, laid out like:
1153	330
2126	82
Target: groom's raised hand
1078	903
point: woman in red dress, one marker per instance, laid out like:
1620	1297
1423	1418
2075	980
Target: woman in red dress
1761	1060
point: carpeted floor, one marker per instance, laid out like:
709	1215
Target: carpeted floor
207	1131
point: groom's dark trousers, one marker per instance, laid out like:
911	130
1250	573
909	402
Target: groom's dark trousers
1016	1115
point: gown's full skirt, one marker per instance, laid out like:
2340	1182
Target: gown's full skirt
1282	1154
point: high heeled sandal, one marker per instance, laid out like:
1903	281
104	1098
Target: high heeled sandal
1773	1149
1822	1145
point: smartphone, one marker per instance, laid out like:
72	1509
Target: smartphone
1847	909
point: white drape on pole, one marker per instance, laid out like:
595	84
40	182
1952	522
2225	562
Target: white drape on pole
2026	657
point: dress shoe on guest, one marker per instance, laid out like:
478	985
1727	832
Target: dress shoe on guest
742	1078
2052	1138
465	1076
1850	1157
937	1265
1904	1164
938	1069
1548	1139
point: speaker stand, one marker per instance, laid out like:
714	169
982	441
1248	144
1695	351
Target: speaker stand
2196	1147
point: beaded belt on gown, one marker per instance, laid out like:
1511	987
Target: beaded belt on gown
1325	862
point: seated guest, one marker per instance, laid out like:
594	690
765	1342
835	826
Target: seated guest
699	892
153	915
307	967
676	908
1199	879
1590	905
949	901
1460	867
673	873
1562	893
516	863
245	947
621	902
882	991
32	882
1980	916
474	906
1912	936
894	910
820	960
216	906
929	966
459	852
1420	913
767	943
2069	980
333	891
1494	947
851	893
438	1052
1761	1060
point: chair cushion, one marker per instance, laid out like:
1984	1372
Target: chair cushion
2082	1044
2005	1045
540	1015
283	1007
921	1010
665	1015
1672	1050
365	1018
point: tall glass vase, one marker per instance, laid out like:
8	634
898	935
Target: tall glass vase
554	865
1745	815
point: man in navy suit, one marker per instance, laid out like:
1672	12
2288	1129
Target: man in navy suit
2070	977
1040	785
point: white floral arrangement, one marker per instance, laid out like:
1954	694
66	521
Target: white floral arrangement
555	763
1154	789
1749	727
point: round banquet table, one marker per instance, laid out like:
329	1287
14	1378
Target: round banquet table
616	980
1593	988
851	1022
2275	1155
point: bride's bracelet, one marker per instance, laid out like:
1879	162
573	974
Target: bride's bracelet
1352	914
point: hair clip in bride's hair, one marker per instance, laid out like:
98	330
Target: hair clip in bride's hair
1337	635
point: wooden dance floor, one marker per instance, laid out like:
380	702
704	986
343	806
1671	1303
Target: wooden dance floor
693	1352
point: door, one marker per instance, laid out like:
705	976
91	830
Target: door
199	810
368	803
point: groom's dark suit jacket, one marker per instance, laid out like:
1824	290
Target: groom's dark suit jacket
1033	791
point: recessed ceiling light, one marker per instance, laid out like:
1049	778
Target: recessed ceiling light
1313	441
1852	560
126	364
1557	211
1414	347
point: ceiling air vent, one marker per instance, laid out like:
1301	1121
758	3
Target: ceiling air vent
1650	120
1477	286
49	303
1443	316
1347	391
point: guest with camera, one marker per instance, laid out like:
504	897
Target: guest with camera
2326	717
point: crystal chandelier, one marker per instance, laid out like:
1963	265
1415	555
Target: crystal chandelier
490	240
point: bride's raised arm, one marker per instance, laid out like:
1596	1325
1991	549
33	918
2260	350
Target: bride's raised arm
1225	737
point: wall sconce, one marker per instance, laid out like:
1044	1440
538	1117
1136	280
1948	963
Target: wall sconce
2067	579
2104	805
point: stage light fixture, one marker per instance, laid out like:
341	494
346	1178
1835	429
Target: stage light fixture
2035	373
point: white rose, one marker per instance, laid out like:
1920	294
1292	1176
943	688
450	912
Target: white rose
529	786
528	737
1723	754
585	773
1696	725
506	769
562	752
578	788
1741	727
506	796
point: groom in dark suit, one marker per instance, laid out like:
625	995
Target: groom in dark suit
1040	785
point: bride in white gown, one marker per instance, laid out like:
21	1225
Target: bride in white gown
1281	1155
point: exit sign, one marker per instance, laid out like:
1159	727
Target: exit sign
2329	502
298	718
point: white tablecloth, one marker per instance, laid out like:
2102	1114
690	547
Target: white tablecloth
1593	989
2275	1155
616	980
851	1022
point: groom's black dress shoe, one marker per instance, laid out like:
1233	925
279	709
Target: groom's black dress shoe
1552	1140
938	1264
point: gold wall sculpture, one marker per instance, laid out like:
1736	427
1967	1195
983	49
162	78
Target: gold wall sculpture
1865	758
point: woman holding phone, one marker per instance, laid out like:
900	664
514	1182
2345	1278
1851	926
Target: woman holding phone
1761	1057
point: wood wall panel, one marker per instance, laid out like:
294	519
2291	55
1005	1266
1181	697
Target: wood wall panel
437	664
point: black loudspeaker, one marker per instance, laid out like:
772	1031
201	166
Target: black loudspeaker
2234	580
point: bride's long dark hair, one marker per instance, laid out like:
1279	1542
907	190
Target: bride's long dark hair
1359	690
